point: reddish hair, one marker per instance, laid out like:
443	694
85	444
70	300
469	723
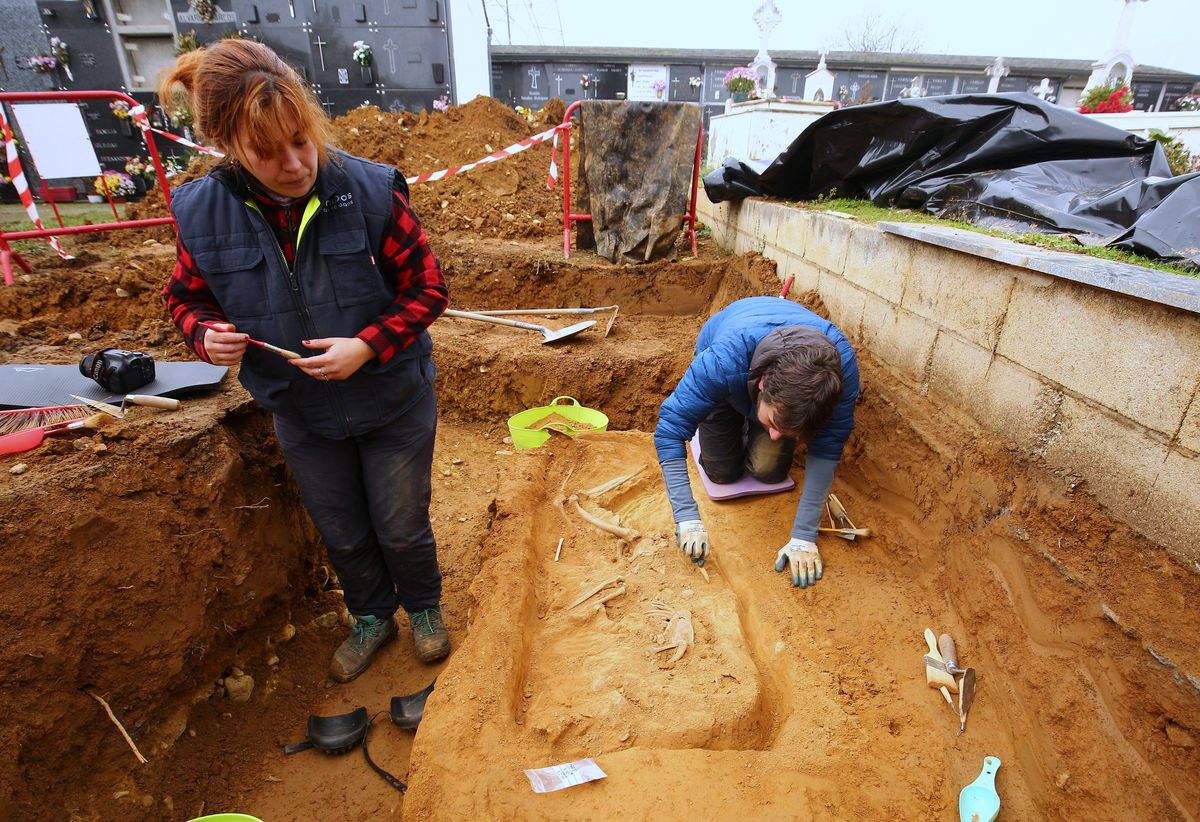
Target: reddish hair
242	93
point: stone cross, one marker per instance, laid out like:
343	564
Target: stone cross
766	18
320	44
995	71
796	78
558	85
391	48
1043	90
534	73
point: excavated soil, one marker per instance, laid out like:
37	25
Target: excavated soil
145	562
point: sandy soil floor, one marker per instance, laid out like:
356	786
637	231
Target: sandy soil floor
146	562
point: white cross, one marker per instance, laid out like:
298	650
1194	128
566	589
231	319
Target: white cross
391	48
534	73
558	82
319	43
796	77
675	85
1043	90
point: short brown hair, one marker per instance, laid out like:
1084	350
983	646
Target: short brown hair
803	383
242	90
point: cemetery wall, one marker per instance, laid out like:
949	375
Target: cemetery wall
1100	383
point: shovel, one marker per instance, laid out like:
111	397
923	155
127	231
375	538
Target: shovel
979	801
615	309
549	335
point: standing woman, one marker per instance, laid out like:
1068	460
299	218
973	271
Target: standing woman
294	243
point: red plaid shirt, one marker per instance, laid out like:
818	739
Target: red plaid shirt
406	258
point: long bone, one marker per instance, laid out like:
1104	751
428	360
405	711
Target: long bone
615	530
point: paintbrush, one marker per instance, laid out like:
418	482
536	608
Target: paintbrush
20	419
274	349
19	441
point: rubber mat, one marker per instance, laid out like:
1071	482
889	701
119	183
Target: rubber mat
747	486
32	385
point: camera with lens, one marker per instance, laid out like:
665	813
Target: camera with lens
117	370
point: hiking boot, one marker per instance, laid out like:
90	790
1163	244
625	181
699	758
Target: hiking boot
355	654
429	634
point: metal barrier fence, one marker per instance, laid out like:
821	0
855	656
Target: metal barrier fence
15	170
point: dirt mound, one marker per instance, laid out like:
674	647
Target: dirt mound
505	199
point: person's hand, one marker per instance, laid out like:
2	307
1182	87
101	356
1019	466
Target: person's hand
223	343
692	539
803	559
340	359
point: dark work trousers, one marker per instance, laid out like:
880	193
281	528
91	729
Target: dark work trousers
732	445
369	497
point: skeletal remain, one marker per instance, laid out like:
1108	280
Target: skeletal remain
593	591
608	486
679	631
615	530
613	594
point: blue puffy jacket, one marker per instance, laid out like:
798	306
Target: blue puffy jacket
720	372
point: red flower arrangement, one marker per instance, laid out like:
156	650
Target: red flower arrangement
1107	100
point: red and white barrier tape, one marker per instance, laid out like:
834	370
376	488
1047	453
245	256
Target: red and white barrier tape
515	148
138	113
22	185
552	175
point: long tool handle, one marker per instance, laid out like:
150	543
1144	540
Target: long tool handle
846	533
169	403
508	311
472	315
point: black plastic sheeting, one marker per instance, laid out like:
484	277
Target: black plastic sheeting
1008	161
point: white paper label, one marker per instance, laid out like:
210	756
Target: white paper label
557	777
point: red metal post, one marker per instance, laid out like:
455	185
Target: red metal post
7	255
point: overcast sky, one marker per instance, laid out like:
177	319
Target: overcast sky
1164	31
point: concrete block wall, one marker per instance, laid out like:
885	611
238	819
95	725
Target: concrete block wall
1101	383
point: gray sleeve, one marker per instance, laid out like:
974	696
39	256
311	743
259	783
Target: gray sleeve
818	479
679	489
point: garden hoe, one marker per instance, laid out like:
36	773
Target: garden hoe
615	309
549	335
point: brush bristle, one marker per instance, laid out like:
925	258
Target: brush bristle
24	418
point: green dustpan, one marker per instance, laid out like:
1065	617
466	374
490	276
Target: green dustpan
979	801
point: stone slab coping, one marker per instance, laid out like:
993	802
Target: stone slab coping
1135	280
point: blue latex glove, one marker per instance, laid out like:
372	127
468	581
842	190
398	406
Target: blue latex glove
803	559
692	538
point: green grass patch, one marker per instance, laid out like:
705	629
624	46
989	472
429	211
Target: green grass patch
869	212
14	218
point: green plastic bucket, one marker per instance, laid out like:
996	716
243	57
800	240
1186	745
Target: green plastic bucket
524	435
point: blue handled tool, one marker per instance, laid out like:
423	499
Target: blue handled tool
979	801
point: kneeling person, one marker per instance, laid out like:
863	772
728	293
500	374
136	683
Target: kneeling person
768	374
